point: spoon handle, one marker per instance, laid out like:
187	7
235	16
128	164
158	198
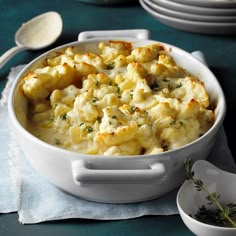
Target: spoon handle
9	54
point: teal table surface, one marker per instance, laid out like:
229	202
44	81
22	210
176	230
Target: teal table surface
77	17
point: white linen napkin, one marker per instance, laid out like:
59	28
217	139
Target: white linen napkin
23	190
7	186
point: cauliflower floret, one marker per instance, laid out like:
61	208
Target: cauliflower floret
60	60
83	102
194	90
40	83
136	70
114	50
146	53
120	135
163	109
66	96
60	118
113	117
84	69
35	83
91	59
78	134
109	99
120	61
189	110
146	138
179	133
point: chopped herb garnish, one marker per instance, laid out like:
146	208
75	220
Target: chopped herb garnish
132	109
95	99
57	141
97	83
63	116
89	129
173	122
118	91
109	66
179	85
166	80
144	113
99	119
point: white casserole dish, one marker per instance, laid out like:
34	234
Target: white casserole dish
116	179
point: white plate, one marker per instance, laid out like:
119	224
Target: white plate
192	26
209	3
189	200
195	9
188	16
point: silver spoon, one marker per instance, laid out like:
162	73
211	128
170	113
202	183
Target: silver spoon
38	33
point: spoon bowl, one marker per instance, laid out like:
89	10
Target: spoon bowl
38	33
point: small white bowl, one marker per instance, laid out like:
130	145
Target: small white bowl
189	199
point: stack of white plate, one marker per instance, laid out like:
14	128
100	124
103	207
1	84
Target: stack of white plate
198	16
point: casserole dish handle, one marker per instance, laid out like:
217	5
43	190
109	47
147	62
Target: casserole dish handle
141	34
84	173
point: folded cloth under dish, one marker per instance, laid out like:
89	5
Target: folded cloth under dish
23	190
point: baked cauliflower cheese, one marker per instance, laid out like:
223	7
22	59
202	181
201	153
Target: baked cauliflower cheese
119	101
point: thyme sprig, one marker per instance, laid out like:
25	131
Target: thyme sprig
222	215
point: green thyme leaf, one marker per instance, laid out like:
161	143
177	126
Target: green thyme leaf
132	109
166	80
63	116
109	66
57	141
99	119
89	129
95	99
179	85
173	122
